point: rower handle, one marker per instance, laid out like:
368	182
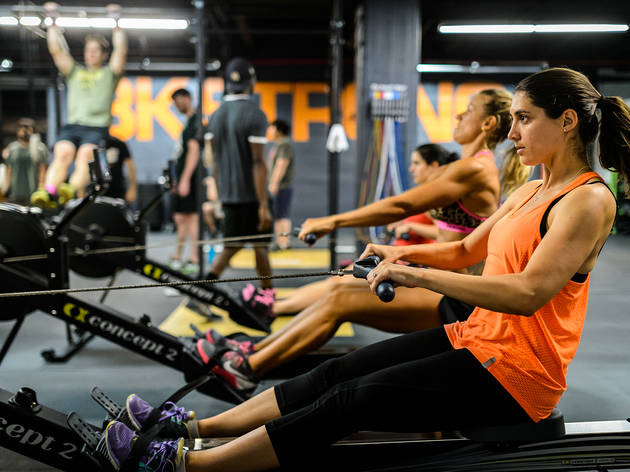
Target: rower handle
360	269
310	238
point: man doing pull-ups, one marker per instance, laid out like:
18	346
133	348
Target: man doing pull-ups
90	93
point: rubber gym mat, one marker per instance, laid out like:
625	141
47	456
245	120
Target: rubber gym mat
178	323
288	259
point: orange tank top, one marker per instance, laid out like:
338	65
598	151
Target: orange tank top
528	355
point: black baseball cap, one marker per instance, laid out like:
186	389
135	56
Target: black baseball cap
239	75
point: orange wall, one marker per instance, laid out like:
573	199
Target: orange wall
143	103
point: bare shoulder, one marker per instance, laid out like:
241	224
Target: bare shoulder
593	202
463	169
595	195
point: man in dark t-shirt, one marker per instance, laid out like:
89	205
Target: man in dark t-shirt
118	156
185	192
237	135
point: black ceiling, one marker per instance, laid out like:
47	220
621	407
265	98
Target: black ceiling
276	33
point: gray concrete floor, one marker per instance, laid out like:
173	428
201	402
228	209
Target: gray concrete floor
598	384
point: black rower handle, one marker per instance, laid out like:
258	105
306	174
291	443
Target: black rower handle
362	268
310	238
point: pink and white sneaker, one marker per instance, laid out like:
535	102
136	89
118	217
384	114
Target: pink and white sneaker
260	300
233	367
214	337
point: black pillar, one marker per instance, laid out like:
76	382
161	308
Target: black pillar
201	75
387	39
336	83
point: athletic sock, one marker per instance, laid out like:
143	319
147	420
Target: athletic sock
193	428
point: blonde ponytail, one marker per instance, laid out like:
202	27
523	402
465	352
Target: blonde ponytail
513	172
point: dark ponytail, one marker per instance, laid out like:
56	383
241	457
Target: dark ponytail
614	137
432	152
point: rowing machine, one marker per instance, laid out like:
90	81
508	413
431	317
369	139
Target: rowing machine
69	443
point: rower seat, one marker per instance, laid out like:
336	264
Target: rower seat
550	428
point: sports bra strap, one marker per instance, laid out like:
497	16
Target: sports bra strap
577	277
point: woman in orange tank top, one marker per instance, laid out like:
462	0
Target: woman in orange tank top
508	361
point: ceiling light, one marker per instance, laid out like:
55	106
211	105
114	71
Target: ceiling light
76	22
152	23
486	28
30	21
8	21
585	28
452	68
476	68
6	65
530	28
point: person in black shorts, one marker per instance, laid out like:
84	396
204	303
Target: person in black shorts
185	191
237	135
281	181
117	154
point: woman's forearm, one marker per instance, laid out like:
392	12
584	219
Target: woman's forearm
448	256
424	230
507	293
378	213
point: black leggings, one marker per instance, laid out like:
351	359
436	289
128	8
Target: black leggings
411	383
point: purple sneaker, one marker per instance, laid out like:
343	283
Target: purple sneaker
159	456
138	414
259	300
214	337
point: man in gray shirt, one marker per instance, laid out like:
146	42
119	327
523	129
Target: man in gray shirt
236	132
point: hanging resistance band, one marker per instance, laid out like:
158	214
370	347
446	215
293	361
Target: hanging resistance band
385	171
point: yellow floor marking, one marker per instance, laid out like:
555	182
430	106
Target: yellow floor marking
289	259
283	292
178	324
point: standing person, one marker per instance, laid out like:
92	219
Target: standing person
186	191
237	131
90	93
281	181
509	360
117	154
26	159
212	211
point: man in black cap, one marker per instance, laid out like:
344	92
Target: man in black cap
237	135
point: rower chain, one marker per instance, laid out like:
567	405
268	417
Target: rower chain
339	272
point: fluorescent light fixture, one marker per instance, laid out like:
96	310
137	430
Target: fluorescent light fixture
77	22
95	22
152	23
30	21
486	28
452	68
585	28
527	28
8	21
475	68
